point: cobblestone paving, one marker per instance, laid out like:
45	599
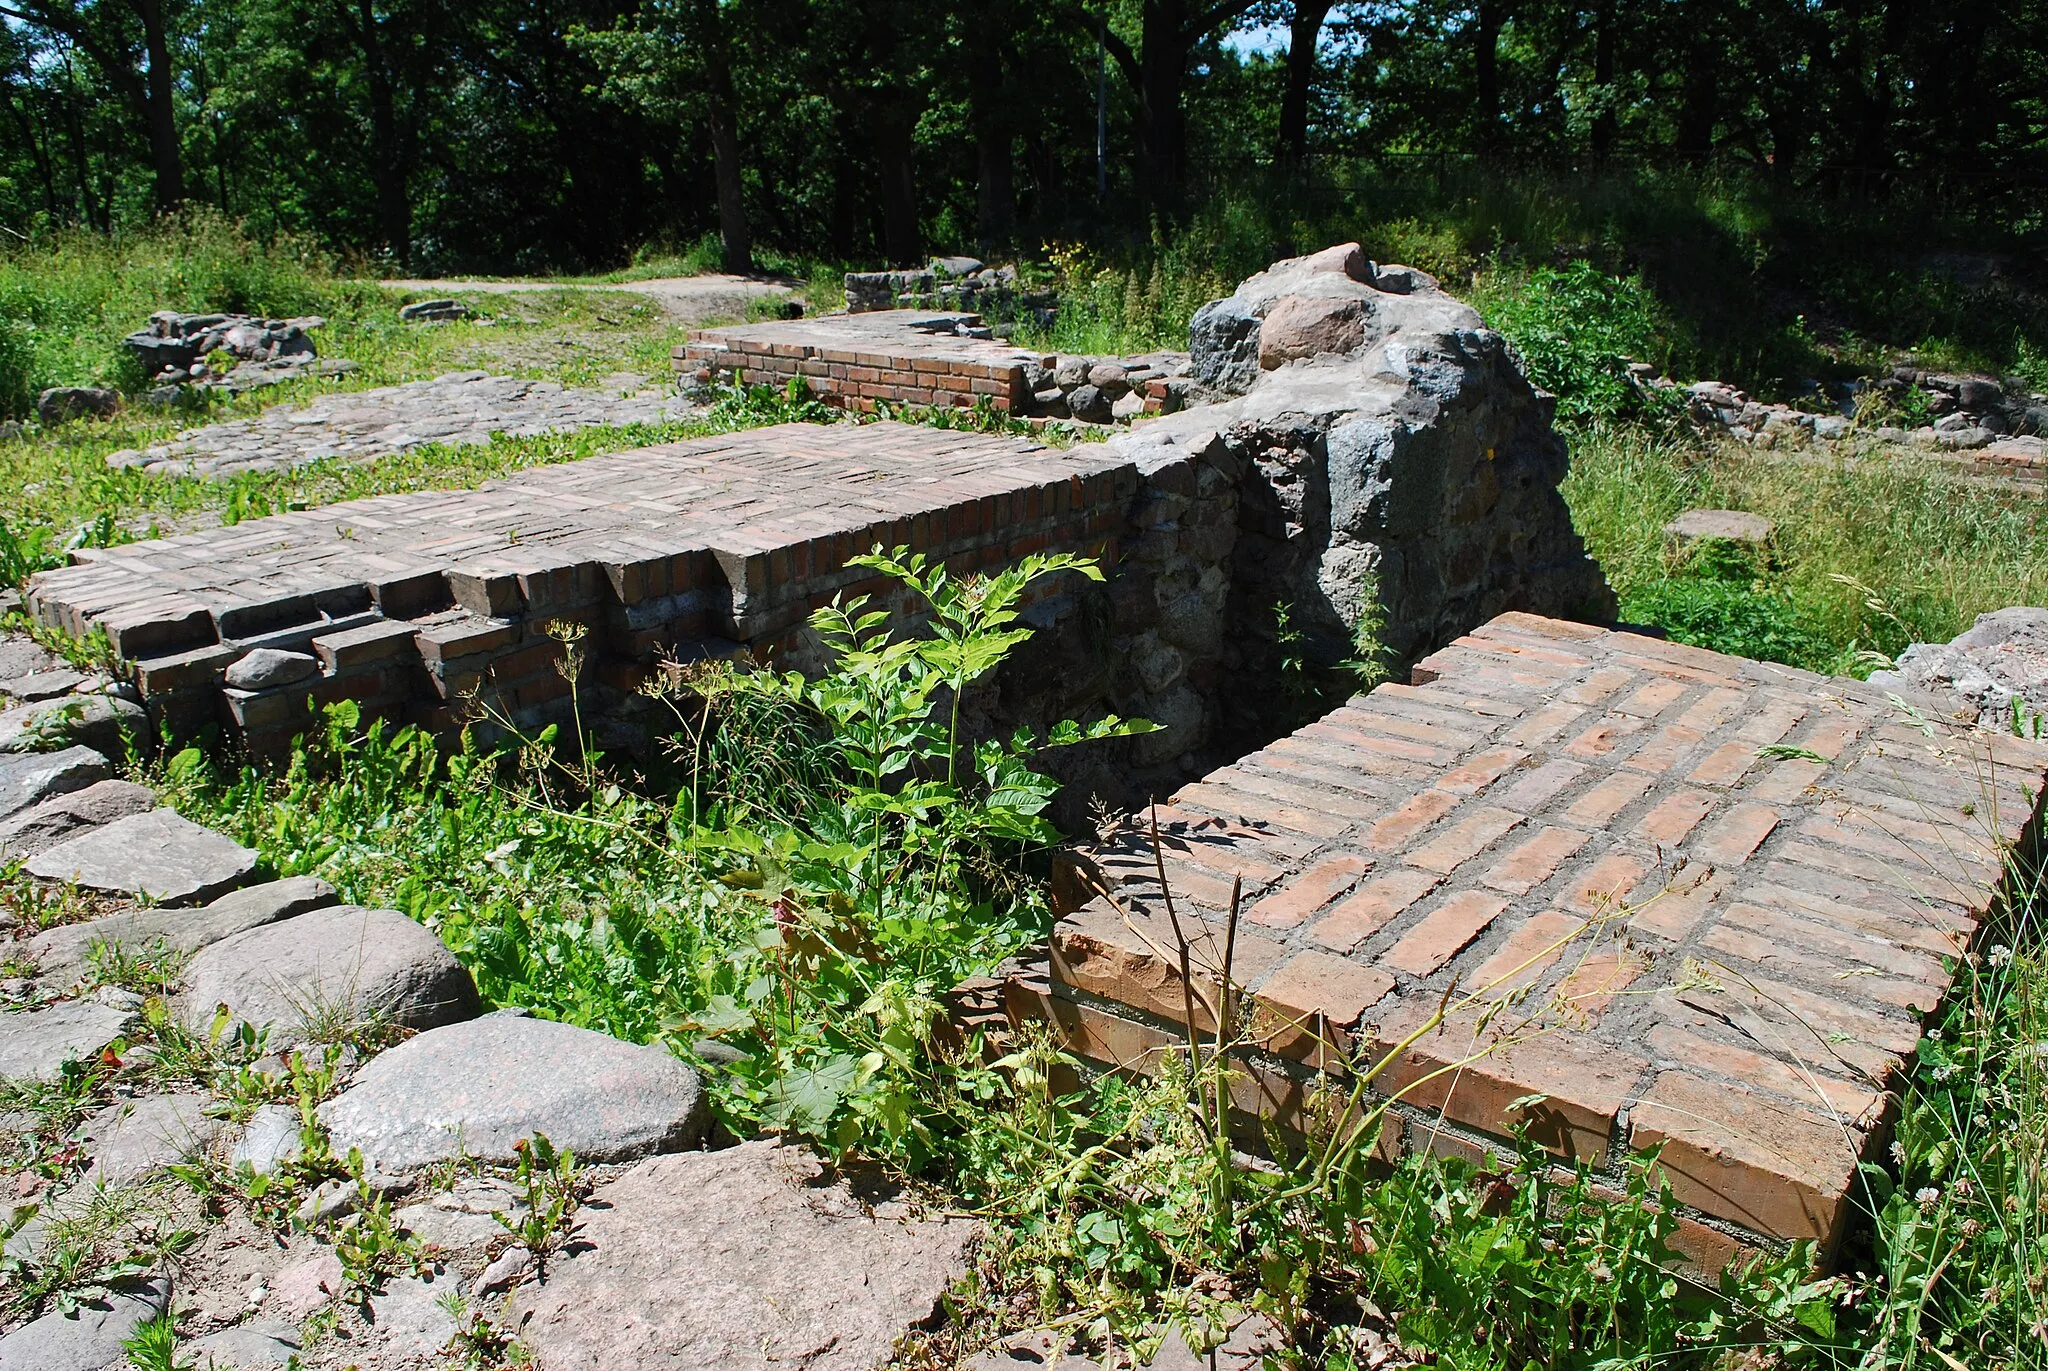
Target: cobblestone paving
1696	901
460	408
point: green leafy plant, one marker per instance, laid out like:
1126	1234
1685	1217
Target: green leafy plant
1577	329
551	1186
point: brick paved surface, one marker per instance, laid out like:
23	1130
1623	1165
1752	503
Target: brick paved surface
901	356
415	601
1676	898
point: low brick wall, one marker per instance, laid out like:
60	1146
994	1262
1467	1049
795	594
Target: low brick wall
1703	903
441	607
907	357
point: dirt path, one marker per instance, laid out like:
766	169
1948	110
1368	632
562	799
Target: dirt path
686	298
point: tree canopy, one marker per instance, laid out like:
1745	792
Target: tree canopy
550	134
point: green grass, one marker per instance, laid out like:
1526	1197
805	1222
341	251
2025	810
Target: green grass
1870	555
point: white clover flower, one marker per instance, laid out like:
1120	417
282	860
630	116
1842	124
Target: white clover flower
1999	955
1927	1197
1898	1152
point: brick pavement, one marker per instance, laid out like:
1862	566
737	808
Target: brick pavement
1674	898
421	604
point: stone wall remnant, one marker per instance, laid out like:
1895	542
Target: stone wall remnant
1400	466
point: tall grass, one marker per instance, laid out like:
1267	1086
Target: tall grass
1870	554
67	300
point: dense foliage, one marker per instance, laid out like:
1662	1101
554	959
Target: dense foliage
516	135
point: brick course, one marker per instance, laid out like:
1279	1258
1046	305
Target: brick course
1645	932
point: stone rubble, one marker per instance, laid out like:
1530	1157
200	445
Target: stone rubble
1968	413
174	348
459	408
951	283
1996	671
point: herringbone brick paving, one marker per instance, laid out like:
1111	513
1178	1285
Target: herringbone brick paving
1673	897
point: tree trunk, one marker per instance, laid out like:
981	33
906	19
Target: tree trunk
1694	137
387	153
1162	75
902	238
987	115
1604	123
1302	35
161	91
734	236
1492	17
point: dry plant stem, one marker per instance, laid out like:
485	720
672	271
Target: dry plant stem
1187	980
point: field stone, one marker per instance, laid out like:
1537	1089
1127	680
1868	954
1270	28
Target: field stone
134	1138
105	723
90	1337
33	777
267	668
270	1139
161	855
753	1257
408	1320
258	1343
43	685
477	1088
61	403
374	968
1728	525
34	1046
44	825
64	949
305	1287
1088	404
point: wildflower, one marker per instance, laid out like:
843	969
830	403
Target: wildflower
1601	1272
1927	1197
1898	1152
1999	955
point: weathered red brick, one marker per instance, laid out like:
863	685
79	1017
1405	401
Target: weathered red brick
1443	932
1375	905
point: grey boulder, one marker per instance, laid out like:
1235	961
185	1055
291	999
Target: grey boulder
50	822
89	1338
136	1138
334	972
161	855
754	1257
35	1046
270	1139
1995	668
245	1347
43	685
267	668
59	403
65	949
105	723
28	778
477	1088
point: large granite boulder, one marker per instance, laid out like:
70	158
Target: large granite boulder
475	1089
747	1259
